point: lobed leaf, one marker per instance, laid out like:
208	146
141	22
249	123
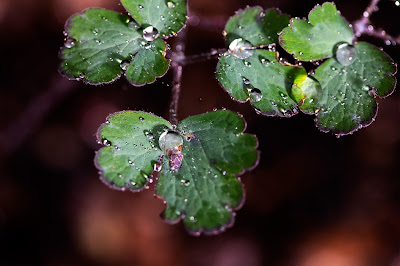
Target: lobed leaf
131	151
348	91
315	39
256	26
198	186
167	16
99	41
260	79
255	75
148	63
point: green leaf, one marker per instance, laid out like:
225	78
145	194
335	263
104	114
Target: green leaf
256	26
131	151
198	163
100	45
315	39
99	41
348	91
168	17
260	79
148	63
204	191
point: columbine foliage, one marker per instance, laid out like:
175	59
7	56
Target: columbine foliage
102	44
350	79
199	159
203	190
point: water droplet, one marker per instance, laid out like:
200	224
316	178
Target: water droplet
255	95
346	54
265	61
246	81
133	25
106	142
70	43
124	65
192	218
241	48
157	167
397	3
248	64
134	184
170	4
150	33
140	6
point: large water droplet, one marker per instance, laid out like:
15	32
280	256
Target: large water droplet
346	54
241	48
150	33
169	140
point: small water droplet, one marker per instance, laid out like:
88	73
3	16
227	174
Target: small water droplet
140	6
69	43
150	33
241	48
346	54
106	142
170	4
133	25
265	62
141	118
124	65
255	95
246	63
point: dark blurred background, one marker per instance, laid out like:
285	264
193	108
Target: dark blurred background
314	200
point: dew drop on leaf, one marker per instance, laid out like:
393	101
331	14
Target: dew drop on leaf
171	143
69	43
346	54
106	142
150	33
170	4
265	62
241	48
124	65
255	95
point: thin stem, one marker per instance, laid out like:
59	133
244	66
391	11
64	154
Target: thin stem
191	59
364	26
361	25
177	68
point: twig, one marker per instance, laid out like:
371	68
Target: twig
361	25
31	118
364	26
191	59
177	56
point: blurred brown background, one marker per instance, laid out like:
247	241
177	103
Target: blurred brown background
314	200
